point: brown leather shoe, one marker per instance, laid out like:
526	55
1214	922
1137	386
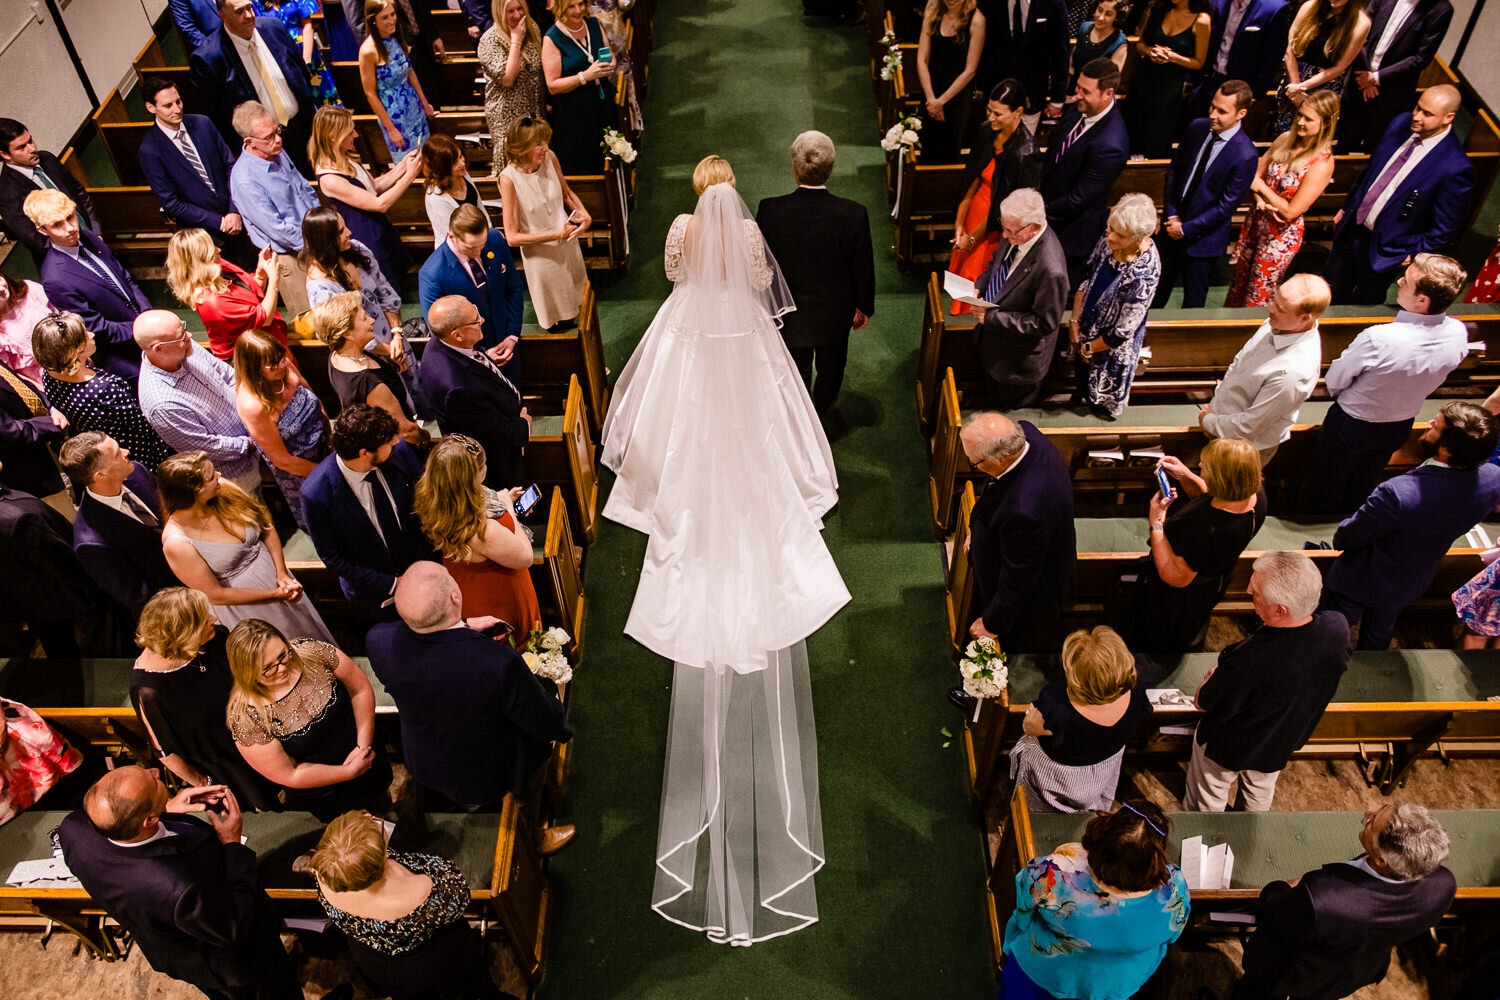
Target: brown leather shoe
555	838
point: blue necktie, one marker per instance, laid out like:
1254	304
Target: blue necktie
87	258
996	282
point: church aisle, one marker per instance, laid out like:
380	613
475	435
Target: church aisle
901	898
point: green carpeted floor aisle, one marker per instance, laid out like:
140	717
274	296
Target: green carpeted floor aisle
901	896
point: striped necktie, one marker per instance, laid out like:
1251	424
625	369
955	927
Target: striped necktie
23	389
184	144
87	258
1069	139
996	284
489	363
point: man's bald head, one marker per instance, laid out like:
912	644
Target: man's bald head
1435	109
120	803
449	313
992	441
424	597
155	326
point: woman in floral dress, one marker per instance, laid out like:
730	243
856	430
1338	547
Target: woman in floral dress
33	758
1290	178
296	17
390	84
1108	322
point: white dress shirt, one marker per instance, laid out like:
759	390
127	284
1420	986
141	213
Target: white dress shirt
1363	864
277	80
1237	11
1423	148
1089	121
1389	370
1399	16
1269	379
162	833
364	491
118	502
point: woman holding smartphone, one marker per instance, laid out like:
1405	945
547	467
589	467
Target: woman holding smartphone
579	68
543	217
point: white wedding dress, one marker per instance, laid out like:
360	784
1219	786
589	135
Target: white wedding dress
721	460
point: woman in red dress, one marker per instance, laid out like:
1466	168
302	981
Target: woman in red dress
1486	287
33	758
476	530
228	300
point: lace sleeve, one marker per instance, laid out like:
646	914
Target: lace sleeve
246	728
674	246
760	268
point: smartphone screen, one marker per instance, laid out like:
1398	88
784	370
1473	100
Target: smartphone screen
528	500
1165	483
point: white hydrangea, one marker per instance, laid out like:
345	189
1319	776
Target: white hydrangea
983	669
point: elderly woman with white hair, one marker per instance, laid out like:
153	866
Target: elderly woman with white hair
1108	322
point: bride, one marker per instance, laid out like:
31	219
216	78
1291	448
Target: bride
721	460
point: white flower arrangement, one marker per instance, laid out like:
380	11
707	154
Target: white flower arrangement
906	132
617	146
544	656
983	669
891	62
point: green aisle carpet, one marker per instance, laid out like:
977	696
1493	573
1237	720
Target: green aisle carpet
901	896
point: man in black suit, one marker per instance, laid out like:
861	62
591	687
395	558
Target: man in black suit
475	722
822	245
1330	932
117	534
29	169
1246	41
187	165
1089	149
1027	39
30	427
186	890
469	392
1028	283
358	506
1021	540
1404	36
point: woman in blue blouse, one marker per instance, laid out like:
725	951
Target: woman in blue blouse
1093	920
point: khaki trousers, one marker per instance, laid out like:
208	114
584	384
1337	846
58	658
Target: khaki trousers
1208	785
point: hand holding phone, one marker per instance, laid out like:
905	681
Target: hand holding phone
527	501
1165	483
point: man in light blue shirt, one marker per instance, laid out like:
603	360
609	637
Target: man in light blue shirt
187	396
1379	385
272	198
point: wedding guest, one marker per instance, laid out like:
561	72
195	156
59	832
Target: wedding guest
948	52
180	689
1093	920
1289	179
1100	38
1486	287
475	262
27	170
195	20
510	53
403	914
337	263
359	197
92	400
1404	36
479	535
1195	539
617	31
23	304
1173	45
30	426
391	86
1263	698
448	185
1088	150
281	414
542	218
357	369
302	714
1107	325
424	46
33	758
220	541
296	17
272	198
1030	42
229	301
581	85
1325	37
1478	606
1074	734
1246	41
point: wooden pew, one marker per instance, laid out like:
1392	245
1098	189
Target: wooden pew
553	359
134	227
561	453
562	564
369	138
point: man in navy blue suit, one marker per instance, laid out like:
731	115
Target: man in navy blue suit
253	59
1210	173
1391	546
1027	39
187	165
28	169
358	505
81	276
1404	36
1089	149
1246	41
117	534
475	262
196	20
1413	197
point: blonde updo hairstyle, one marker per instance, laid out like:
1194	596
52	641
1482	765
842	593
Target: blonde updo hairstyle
350	855
712	169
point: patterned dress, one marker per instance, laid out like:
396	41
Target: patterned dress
304	431
446	903
1312	62
1116	299
504	106
33	758
611	15
291	14
393	87
1267	245
108	403
1478	601
1486	287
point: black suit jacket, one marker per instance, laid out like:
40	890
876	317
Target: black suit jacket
1039	58
194	906
1415	44
40	578
182	193
1333	932
470	399
475	722
13	191
123	555
25	460
822	245
1018	339
1076	185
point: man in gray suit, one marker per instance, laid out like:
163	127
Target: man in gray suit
1028	283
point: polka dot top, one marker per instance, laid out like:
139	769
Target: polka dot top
107	403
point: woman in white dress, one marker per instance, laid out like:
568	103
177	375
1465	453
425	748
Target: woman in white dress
720	458
542	218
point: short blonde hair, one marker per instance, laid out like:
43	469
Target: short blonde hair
193	269
350	855
1312	292
712	169
48	207
524	135
557	7
1098	665
333	318
172	621
1231	469
247	115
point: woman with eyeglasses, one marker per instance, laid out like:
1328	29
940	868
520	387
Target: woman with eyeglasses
302	714
227	299
476	529
180	689
542	219
358	369
510	51
220	540
283	417
579	67
91	399
1093	920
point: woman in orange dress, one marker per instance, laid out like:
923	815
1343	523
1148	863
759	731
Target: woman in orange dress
476	530
999	163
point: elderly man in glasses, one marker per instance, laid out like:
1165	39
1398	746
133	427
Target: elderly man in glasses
272	198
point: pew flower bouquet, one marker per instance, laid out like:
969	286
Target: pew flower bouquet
983	669
892	59
906	132
617	146
544	655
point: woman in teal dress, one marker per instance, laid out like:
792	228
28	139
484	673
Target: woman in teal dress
390	84
296	17
581	85
1172	46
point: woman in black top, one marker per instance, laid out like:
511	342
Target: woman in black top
948	54
1000	160
180	687
359	374
1195	540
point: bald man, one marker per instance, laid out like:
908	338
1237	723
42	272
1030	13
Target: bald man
1413	197
186	890
476	724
